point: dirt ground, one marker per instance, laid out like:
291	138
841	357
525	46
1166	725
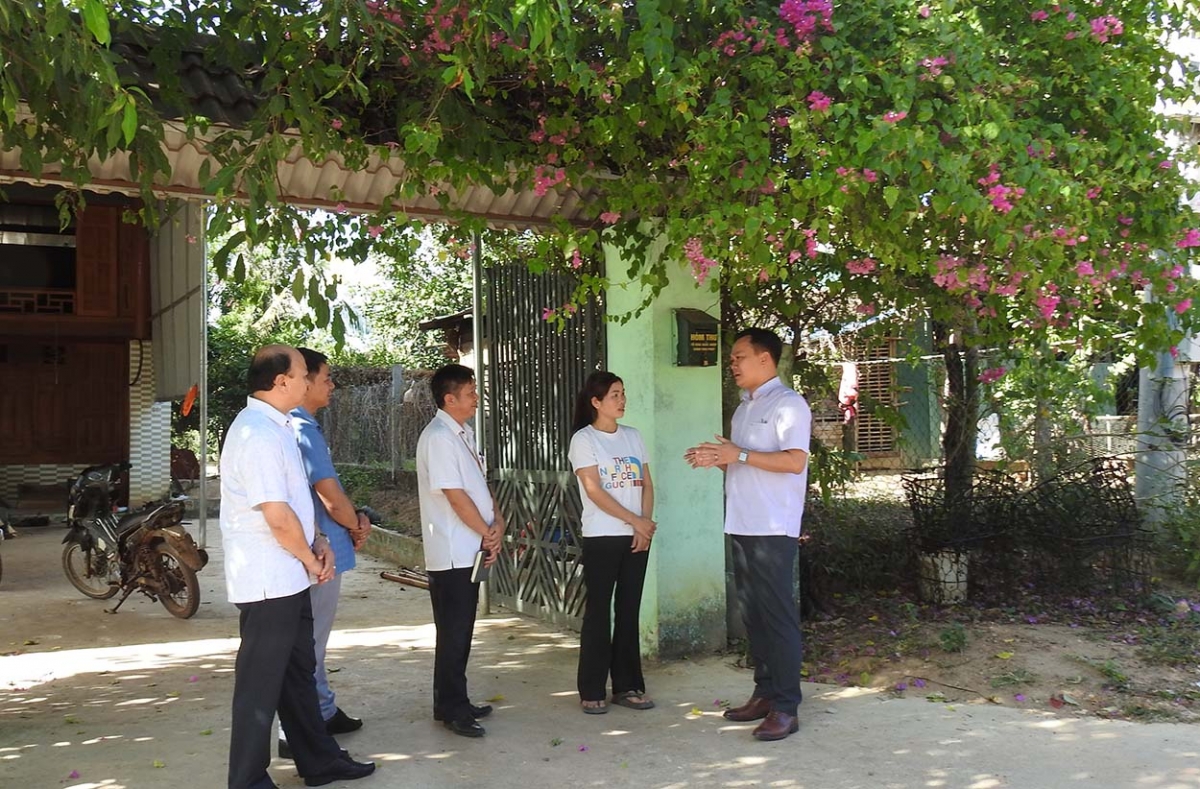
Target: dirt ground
1075	670
140	699
1082	664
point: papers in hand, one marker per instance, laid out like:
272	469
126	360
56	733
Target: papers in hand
479	570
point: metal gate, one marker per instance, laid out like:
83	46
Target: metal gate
531	372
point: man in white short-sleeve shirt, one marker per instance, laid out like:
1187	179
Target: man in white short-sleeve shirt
271	550
459	517
766	474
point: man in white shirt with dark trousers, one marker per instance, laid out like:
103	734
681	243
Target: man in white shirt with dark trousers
459	516
272	549
766	475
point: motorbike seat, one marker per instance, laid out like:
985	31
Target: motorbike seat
132	520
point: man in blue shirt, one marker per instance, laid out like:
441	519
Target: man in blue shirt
337	519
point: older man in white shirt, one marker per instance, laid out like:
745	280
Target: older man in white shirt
766	476
459	517
268	532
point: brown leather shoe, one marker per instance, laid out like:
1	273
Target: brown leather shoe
777	726
752	710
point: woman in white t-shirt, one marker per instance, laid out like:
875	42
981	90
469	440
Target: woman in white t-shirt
613	470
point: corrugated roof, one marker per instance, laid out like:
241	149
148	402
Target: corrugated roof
228	97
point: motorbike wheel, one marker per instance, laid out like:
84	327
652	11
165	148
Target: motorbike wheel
76	561
180	592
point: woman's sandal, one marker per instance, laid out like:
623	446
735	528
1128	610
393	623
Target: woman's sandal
598	707
626	699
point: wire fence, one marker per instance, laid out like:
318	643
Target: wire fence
379	424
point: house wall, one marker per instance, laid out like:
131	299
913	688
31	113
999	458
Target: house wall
149	444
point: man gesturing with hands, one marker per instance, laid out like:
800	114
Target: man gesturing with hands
766	473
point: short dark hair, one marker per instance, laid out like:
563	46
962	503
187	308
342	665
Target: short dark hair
597	385
269	361
313	360
763	340
447	380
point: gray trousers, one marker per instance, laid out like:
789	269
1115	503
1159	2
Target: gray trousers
764	569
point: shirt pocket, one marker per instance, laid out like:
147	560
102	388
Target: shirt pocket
760	437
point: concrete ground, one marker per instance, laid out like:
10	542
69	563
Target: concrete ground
141	699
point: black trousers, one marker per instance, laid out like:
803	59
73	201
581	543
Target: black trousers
763	571
274	674
608	639
454	600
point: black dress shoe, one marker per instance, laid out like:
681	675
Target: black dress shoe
343	769
341	723
466	727
477	712
285	750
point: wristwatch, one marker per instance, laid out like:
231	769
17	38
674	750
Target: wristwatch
743	456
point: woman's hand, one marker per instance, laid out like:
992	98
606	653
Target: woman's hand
644	528
640	543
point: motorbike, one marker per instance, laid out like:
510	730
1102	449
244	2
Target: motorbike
147	551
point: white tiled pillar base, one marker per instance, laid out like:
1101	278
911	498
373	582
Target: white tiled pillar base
149	430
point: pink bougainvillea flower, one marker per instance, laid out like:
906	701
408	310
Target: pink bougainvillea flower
1047	304
991	375
583	749
340	208
74	774
1166	164
336	123
191	239
807	16
547	313
374	231
1105	27
1085	268
1039	16
610	217
870	176
923	11
895	116
1183	306
1093	193
818	101
701	265
1019	697
865	309
1190	239
863	266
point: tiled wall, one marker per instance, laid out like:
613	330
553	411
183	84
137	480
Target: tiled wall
149	430
12	477
149	442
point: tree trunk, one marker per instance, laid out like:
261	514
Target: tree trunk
962	419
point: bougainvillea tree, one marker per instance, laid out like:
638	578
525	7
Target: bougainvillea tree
997	164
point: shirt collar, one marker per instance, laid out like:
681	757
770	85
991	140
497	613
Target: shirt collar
271	411
300	412
765	389
453	424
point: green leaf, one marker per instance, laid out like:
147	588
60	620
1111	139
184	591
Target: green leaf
129	123
890	195
96	18
991	130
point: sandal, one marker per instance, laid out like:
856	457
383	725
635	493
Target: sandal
599	708
626	699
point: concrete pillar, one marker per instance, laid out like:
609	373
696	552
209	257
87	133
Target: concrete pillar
149	430
683	609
